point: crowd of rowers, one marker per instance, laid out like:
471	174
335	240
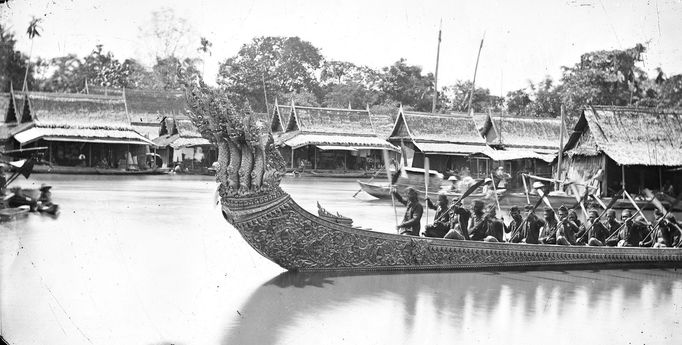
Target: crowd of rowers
481	223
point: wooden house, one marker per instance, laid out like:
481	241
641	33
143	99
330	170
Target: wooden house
180	143
522	144
328	139
77	129
450	141
634	147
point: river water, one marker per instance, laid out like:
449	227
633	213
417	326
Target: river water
150	260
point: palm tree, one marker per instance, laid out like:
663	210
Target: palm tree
32	31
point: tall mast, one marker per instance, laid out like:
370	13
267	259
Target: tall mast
473	83
435	84
561	146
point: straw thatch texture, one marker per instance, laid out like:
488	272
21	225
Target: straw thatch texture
631	136
382	124
147	104
428	127
280	118
528	132
61	110
329	120
81	135
178	132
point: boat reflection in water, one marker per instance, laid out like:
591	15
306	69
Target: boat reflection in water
564	307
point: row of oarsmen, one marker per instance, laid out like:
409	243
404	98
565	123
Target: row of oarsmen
480	223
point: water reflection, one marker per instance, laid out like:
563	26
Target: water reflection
301	307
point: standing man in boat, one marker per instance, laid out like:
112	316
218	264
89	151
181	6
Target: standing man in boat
441	225
548	230
566	230
413	215
593	232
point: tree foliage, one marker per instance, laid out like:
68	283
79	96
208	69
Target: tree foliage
274	65
406	85
12	62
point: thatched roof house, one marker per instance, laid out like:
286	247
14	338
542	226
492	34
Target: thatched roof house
629	144
329	128
146	108
438	134
521	137
76	118
179	132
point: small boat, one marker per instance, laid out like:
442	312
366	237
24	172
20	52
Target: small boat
293	238
13	213
155	171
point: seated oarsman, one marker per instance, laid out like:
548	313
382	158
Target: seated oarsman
531	230
413	215
549	228
495	232
441	223
612	224
664	233
459	229
632	232
514	227
592	232
573	217
566	229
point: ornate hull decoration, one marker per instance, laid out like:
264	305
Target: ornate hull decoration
280	230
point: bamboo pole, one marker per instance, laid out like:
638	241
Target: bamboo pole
435	84
473	82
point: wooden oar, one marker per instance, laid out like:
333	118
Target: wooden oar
497	201
660	207
525	187
462	197
579	199
518	228
390	187
611	203
426	186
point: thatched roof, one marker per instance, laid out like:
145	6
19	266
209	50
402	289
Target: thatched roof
178	132
77	111
427	127
630	136
521	132
280	116
330	120
382	124
147	106
75	117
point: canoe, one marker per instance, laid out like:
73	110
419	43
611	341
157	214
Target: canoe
13	213
278	228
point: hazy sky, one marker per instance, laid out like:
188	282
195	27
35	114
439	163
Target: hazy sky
524	40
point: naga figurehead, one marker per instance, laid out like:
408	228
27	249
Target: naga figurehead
249	164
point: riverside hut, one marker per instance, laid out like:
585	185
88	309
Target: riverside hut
521	144
450	141
634	147
78	130
181	144
329	139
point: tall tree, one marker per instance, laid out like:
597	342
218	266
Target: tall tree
13	64
603	77
276	65
32	31
405	84
457	98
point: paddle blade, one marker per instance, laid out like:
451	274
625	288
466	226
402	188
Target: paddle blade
388	169
27	168
657	203
427	170
472	189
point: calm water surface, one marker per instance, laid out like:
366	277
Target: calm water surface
149	260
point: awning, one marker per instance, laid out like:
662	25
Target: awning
508	154
450	149
336	148
338	140
105	136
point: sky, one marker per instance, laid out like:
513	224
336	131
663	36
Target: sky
524	40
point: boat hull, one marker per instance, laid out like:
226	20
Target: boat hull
280	230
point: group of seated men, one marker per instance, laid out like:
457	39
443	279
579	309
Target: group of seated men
481	223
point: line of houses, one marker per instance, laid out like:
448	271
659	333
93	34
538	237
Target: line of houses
141	129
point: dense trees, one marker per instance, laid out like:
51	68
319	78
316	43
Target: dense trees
289	68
